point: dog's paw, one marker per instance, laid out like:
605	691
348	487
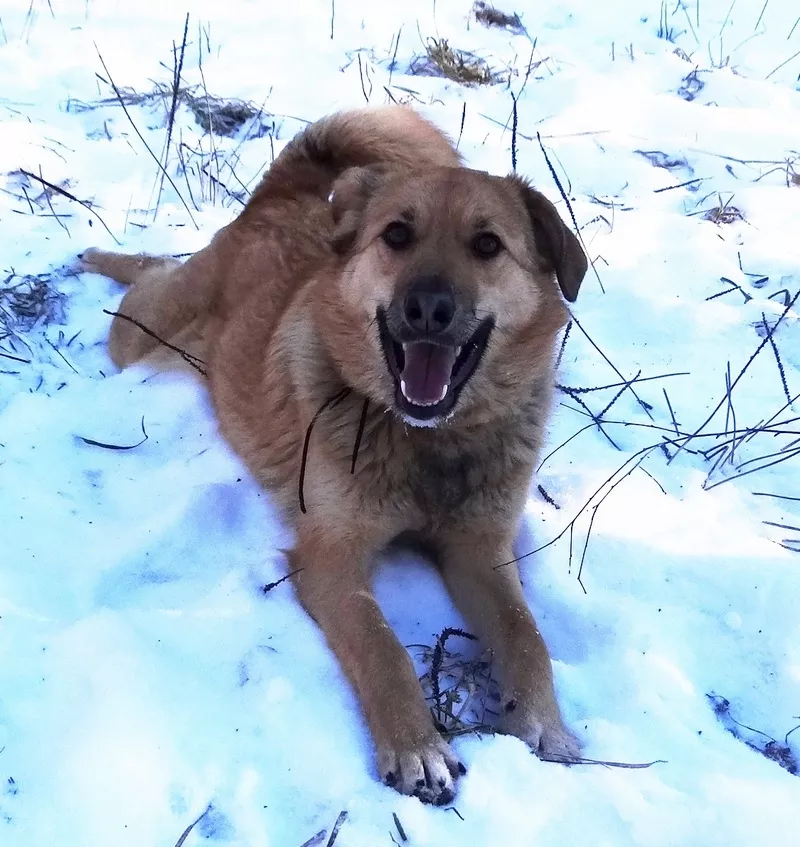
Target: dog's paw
86	261
426	769
546	735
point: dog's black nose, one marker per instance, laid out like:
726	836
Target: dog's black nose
429	306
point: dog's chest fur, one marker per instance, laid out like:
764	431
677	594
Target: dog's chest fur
441	474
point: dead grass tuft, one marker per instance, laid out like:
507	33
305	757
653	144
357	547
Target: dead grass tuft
223	117
459	688
217	115
724	213
26	301
489	16
461	66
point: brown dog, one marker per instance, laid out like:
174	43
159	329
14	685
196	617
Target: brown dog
370	272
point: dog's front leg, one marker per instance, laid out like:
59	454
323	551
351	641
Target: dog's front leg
333	585
491	599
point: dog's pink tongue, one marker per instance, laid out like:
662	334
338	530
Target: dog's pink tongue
426	374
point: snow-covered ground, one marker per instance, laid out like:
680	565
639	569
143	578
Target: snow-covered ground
145	678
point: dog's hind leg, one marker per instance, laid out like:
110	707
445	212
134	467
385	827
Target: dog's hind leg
165	295
127	268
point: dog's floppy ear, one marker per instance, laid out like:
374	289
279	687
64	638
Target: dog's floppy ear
554	240
349	197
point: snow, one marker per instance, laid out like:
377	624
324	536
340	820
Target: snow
146	680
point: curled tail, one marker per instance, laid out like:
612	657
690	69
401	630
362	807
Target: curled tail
390	135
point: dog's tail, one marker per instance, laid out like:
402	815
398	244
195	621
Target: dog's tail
389	135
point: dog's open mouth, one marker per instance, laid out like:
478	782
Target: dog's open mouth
429	375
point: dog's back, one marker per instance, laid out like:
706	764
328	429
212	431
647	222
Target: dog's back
393	136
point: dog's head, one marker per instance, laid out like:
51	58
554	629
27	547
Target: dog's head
446	304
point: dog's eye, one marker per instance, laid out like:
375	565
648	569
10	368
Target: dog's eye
486	245
398	235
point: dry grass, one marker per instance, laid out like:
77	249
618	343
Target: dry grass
26	301
216	115
487	15
775	750
461	66
459	687
723	213
224	117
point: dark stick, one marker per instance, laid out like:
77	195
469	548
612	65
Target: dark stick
619	394
760	347
570	389
567	760
72	197
105	446
463	118
189	829
569	208
546	497
15	358
270	585
563	345
361	424
671	412
782	526
336	827
52	210
187	357
176	82
62	356
752	470
776	496
611	480
330	402
779	363
141	138
394	58
400	830
564	444
361	75
680	185
513	134
315	840
594	512
594	417
616	370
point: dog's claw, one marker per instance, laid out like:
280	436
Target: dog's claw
427	771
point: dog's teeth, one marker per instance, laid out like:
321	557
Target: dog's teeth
404	392
458	351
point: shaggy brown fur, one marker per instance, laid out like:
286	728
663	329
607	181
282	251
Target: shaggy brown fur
371	266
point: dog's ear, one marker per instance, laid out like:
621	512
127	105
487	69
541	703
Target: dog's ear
554	240
348	199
